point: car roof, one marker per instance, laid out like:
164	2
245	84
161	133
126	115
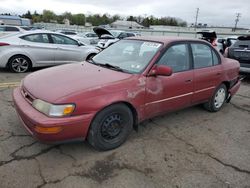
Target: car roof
40	31
164	39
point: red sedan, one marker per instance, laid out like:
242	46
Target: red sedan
135	79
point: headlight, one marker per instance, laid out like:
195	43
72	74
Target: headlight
53	110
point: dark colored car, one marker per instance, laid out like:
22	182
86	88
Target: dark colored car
135	79
240	51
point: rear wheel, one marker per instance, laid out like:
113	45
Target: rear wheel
218	99
111	127
19	64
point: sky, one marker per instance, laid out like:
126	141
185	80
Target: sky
212	12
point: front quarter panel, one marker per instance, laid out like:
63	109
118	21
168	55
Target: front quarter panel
93	100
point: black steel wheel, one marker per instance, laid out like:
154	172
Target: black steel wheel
111	127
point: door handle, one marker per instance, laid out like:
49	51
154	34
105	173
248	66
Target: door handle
189	80
218	73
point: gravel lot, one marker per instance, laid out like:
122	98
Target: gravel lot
188	148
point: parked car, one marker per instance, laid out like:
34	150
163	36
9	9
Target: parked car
109	37
8	29
89	38
240	51
222	43
135	79
22	51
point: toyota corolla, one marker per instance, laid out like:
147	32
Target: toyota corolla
102	100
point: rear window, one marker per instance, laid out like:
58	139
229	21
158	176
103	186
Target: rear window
242	44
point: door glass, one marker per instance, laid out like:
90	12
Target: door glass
176	57
59	39
11	29
215	59
202	55
39	38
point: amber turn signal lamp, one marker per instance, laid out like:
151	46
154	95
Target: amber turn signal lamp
48	130
68	110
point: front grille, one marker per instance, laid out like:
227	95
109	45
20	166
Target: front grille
28	97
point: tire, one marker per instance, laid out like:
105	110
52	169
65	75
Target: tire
19	64
111	127
217	100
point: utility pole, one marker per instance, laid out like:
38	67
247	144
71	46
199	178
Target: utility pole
196	19
238	15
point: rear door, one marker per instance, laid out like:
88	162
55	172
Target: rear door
39	48
168	93
207	71
67	49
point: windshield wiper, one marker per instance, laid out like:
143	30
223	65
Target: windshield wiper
112	67
107	65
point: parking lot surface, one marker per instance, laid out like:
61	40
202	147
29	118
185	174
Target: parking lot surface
188	148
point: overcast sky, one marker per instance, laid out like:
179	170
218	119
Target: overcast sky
212	12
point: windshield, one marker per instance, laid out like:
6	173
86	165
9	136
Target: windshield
131	56
115	33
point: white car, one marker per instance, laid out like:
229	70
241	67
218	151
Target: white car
109	37
21	51
89	38
8	29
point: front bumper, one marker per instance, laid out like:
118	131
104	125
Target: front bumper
73	128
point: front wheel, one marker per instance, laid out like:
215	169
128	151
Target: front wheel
217	100
19	64
111	127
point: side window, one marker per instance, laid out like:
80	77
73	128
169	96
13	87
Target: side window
122	35
2	28
202	55
59	39
130	34
39	38
215	58
11	29
176	57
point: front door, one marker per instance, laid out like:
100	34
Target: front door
167	93
68	50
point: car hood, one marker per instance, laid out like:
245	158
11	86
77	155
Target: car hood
101	31
55	83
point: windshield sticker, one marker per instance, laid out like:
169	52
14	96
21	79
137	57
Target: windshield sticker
151	44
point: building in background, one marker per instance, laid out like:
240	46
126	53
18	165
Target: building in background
14	20
122	24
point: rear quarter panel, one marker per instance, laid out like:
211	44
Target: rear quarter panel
231	69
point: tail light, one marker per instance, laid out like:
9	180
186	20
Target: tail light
4	44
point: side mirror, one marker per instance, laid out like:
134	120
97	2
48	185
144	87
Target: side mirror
160	70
